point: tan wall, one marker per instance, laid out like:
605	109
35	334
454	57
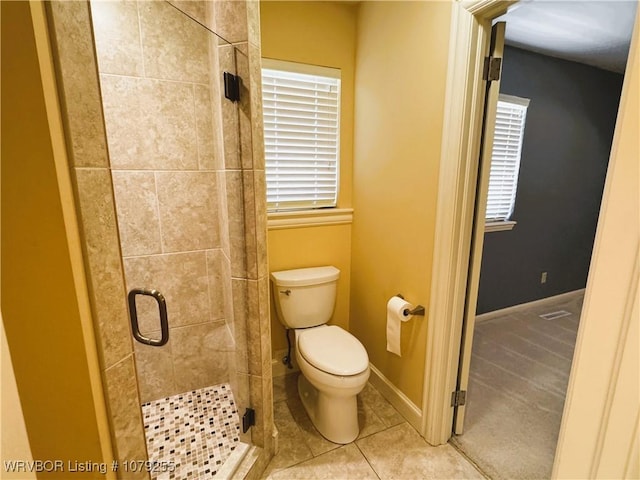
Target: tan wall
317	33
39	300
15	442
400	86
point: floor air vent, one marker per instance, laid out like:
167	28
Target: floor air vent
555	315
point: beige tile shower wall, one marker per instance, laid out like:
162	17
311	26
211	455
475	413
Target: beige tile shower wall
157	82
239	189
70	28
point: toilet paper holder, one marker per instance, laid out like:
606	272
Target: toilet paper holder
418	310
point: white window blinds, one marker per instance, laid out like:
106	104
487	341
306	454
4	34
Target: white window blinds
301	105
505	159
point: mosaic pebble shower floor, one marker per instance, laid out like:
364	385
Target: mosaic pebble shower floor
195	432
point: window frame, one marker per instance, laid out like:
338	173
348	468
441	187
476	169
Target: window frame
507	223
320	71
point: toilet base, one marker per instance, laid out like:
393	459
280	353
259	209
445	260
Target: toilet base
336	418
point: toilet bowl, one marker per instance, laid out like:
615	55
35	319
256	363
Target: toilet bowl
335	368
334	364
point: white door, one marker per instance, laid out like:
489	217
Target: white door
492	72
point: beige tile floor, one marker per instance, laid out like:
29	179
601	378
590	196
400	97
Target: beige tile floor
387	447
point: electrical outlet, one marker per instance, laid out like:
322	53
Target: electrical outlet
543	277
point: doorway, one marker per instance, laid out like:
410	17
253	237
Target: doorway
521	361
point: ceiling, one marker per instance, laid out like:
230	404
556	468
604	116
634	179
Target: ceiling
597	33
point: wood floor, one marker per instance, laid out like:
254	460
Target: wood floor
520	368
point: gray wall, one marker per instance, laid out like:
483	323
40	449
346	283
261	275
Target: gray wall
567	141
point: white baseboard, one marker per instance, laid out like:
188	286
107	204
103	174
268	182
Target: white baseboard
395	397
536	303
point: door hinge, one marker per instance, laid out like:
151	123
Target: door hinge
458	398
231	86
492	66
248	419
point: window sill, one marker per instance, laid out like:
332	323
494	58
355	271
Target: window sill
499	226
309	218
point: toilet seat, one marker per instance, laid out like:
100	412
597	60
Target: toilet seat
333	350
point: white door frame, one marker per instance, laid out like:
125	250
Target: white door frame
492	93
464	108
599	436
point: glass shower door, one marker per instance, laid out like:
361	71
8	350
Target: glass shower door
171	135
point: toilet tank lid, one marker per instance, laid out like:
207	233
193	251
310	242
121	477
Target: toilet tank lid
305	276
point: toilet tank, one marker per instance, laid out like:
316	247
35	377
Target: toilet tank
305	297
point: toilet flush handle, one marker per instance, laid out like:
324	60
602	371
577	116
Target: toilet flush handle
286	292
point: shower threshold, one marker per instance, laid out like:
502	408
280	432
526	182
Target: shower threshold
192	434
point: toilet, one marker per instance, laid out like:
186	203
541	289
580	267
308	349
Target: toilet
334	364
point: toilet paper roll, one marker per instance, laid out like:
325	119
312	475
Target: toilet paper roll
396	314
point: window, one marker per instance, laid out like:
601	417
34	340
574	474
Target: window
301	106
505	158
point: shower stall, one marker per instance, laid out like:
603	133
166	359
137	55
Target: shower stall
162	107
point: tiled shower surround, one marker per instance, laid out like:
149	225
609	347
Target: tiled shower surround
190	435
157	73
170	194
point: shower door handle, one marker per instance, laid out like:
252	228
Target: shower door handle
133	315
